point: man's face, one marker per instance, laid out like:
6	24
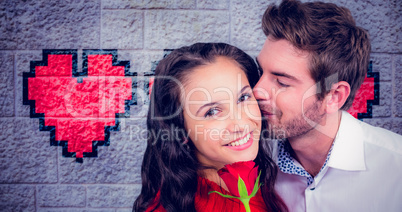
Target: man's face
286	91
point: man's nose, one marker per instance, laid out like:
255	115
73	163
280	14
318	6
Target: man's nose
261	90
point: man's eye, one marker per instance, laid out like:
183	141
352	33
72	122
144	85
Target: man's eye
244	97
282	84
211	112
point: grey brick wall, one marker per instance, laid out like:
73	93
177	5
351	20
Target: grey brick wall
35	177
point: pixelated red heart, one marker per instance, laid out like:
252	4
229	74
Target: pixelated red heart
79	109
366	96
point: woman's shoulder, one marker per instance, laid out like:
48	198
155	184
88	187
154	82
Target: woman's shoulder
155	206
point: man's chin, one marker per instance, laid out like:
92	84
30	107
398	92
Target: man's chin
276	132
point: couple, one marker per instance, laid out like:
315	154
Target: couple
311	65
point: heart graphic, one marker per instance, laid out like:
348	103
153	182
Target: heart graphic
79	108
367	95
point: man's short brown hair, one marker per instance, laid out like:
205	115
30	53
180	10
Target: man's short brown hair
329	33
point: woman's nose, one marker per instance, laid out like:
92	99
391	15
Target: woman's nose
239	120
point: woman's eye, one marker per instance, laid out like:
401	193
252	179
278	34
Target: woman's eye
244	97
211	112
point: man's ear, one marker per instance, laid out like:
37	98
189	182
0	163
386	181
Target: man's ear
337	97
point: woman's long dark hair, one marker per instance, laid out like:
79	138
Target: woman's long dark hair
168	166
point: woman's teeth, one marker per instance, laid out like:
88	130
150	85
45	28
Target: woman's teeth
241	141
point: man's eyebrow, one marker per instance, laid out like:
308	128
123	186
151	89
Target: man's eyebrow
259	67
206	105
277	73
282	74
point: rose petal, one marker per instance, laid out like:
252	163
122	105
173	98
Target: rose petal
233	170
245	169
231	182
252	177
239	169
248	165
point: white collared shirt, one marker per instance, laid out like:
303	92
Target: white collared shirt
363	173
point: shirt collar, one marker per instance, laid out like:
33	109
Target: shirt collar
287	164
348	151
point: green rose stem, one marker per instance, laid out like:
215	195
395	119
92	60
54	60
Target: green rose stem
244	197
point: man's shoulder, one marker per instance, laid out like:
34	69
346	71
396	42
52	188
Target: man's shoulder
380	137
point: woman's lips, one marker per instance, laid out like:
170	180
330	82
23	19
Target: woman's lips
241	144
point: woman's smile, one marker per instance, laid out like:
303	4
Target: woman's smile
241	143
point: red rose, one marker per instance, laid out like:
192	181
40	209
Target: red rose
242	180
245	170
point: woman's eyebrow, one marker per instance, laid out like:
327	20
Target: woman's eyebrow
216	103
244	88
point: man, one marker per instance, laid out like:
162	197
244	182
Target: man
313	61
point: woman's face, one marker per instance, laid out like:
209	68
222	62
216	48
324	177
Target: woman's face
221	115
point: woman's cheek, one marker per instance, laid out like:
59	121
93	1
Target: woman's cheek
254	113
215	131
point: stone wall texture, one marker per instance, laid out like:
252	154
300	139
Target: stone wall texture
34	176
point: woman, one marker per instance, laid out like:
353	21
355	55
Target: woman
202	116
